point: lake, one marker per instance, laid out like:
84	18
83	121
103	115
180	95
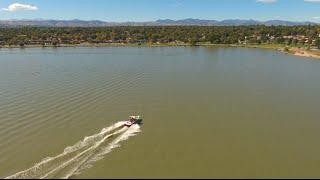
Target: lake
207	113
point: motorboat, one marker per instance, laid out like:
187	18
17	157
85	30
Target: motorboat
133	120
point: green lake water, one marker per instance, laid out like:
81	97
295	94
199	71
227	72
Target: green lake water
208	112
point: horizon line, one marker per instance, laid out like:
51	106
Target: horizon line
40	19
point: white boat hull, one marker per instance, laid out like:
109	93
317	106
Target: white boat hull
132	120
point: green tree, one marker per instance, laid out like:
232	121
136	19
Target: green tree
317	43
21	44
188	34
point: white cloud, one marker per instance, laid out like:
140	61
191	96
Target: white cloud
266	1
17	7
315	19
312	1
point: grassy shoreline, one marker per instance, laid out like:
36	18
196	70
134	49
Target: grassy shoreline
293	50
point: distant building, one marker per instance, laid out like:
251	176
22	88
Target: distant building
259	38
141	41
288	37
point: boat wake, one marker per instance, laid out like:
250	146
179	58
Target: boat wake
75	159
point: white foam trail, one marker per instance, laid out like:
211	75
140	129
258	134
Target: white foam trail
132	131
47	167
96	145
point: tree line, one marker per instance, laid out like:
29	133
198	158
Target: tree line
255	34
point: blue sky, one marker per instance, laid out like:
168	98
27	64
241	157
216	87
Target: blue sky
149	10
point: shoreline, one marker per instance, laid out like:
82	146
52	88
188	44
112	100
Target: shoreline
305	53
296	51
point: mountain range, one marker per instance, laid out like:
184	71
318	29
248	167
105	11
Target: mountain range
161	22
